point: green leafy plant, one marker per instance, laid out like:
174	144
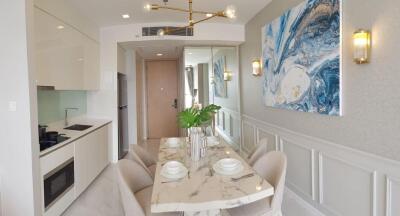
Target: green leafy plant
194	117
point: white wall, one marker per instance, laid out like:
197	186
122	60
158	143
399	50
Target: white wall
19	148
103	102
345	165
132	96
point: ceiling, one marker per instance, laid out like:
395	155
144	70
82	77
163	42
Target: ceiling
172	49
108	12
150	49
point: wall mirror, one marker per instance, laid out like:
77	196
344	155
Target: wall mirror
212	77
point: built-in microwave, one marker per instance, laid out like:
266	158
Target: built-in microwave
58	182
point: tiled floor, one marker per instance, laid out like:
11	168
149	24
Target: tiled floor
100	199
102	196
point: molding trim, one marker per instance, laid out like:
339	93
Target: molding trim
372	173
389	195
310	209
283	131
312	166
378	167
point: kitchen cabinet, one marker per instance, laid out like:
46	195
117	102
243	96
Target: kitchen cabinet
65	58
91	157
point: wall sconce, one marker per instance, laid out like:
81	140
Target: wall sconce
227	76
256	67
362	46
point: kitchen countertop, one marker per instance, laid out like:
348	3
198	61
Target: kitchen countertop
72	134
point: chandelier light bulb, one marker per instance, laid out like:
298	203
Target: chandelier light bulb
147	7
230	12
161	32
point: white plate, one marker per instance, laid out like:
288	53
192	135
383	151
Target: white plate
173	167
212	141
173	142
226	170
180	173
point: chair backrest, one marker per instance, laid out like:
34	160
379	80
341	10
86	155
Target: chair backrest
272	167
259	151
144	155
134	157
131	178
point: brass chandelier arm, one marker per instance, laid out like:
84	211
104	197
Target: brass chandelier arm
205	19
156	7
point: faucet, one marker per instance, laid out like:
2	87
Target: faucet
66	115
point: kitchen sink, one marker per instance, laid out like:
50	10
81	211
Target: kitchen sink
78	127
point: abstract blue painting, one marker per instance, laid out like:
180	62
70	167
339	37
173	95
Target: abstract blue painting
219	82
301	58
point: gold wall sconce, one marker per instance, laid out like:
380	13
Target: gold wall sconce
362	46
256	64
227	76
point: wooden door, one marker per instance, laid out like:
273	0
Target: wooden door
162	95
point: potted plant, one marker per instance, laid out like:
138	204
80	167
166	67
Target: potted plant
195	120
195	117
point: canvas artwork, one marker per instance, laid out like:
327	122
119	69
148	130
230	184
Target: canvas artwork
301	58
219	82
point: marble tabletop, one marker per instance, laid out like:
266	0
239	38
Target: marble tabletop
203	189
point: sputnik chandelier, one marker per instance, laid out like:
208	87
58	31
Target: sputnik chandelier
229	13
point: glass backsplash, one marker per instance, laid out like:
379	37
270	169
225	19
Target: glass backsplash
51	104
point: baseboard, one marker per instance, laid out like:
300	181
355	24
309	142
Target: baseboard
294	205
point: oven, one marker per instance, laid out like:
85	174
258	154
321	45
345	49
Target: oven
58	182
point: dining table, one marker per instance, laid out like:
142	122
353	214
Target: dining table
203	191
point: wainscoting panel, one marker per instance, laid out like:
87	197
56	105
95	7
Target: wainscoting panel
273	140
249	138
300	168
393	197
346	189
331	178
228	126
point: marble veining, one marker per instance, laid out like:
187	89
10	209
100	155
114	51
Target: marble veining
203	189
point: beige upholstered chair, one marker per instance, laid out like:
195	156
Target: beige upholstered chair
132	155
146	157
259	151
149	160
136	186
272	167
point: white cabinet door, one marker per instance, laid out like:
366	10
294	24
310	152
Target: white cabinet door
90	157
80	166
65	58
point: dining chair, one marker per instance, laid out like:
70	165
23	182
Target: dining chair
145	155
272	167
148	159
136	186
259	151
133	156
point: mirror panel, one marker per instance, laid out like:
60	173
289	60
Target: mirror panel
211	77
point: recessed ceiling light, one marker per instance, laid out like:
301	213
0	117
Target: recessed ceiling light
159	54
209	15
126	16
60	27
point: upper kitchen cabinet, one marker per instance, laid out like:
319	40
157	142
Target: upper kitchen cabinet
65	58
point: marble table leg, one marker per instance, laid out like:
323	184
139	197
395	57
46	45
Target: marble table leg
204	213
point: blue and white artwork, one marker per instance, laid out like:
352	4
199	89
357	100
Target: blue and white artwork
219	82
301	58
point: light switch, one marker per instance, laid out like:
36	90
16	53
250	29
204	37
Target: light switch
12	106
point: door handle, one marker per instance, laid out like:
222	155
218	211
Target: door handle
175	104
